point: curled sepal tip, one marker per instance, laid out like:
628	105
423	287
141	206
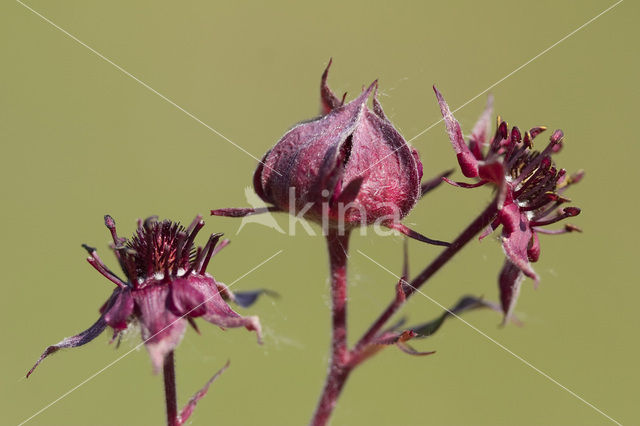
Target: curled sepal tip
74	341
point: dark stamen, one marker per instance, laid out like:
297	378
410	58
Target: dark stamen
193	230
533	180
111	225
129	266
563	214
193	224
179	248
554	140
211	244
97	263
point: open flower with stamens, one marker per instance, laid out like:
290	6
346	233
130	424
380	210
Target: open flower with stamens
165	287
529	190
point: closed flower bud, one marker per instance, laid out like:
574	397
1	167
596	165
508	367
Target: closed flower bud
347	168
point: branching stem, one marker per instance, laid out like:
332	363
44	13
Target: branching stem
343	360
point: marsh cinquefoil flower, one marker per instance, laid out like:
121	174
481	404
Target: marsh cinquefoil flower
529	186
349	167
166	285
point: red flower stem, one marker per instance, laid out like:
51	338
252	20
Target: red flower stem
344	361
339	369
481	222
169	373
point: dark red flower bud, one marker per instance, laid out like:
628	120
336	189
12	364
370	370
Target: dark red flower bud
351	160
349	167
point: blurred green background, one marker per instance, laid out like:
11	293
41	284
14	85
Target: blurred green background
81	139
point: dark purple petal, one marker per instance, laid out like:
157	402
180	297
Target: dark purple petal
74	341
191	405
121	309
161	329
218	311
516	235
493	172
509	281
466	159
186	300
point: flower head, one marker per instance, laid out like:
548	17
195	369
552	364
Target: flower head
530	190
349	167
165	286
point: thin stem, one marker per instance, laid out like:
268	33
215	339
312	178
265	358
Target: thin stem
339	366
344	361
481	222
169	373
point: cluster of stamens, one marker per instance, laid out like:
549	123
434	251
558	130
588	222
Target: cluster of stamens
535	183
158	252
